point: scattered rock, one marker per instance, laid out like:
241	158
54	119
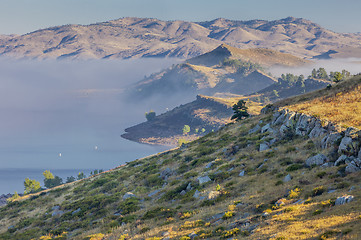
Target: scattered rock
129	195
57	213
209	165
255	129
242	173
76	211
204	179
264	146
331	191
287	178
182	193
153	193
196	194
166	173
213	195
344	199
318	160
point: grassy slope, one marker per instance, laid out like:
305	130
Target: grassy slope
339	104
244	198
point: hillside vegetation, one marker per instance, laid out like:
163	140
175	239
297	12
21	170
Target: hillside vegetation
279	175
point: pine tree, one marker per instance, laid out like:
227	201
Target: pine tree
240	110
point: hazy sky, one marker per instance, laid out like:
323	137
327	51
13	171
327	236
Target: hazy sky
23	16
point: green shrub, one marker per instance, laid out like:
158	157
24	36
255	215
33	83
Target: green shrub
321	174
318	191
129	205
159	213
294	167
154	180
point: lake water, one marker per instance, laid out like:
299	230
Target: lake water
67	117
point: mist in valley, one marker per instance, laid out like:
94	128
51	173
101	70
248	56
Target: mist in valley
353	65
70	114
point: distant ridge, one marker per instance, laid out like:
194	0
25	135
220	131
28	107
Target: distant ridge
225	69
133	37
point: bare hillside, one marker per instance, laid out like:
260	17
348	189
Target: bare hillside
142	37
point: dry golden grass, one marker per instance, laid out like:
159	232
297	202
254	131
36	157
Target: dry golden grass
339	104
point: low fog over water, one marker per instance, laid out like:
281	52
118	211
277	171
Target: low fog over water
353	65
68	116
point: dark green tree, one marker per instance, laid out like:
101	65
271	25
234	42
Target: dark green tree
240	110
81	175
150	115
337	77
50	180
70	179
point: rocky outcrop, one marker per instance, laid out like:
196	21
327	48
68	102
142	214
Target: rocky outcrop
345	145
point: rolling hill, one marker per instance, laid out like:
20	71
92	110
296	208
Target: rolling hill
224	69
143	37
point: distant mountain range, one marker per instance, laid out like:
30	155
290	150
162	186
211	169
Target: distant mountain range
144	37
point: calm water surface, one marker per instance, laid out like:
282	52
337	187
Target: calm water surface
67	117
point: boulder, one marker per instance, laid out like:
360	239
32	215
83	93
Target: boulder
57	213
330	140
189	187
348	146
287	178
242	173
166	173
203	179
353	165
344	199
197	194
318	160
264	146
317	131
304	125
341	160
129	195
